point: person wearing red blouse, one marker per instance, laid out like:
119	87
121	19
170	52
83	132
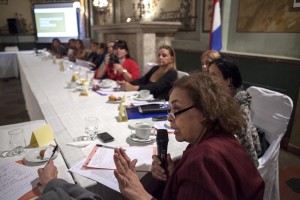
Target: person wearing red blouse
118	66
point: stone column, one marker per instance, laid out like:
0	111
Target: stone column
143	38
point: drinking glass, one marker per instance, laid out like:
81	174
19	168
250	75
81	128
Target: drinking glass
91	127
16	142
83	77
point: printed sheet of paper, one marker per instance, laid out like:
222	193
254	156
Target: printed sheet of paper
102	157
106	177
16	180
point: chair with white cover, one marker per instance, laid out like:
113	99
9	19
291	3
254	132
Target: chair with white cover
271	112
11	49
148	66
181	74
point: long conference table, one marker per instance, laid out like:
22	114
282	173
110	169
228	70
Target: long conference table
47	98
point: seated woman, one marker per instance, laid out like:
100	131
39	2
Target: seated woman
59	188
80	52
207	57
214	164
101	50
229	73
159	79
57	49
118	66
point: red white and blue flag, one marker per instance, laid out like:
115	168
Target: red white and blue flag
215	42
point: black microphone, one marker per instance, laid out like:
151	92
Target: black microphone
162	140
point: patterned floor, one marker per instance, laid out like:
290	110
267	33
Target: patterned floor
13	110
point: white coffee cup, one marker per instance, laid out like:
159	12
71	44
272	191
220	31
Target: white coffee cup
143	131
105	83
144	94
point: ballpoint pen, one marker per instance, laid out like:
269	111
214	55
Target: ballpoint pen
53	152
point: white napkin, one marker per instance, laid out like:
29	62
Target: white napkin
80	144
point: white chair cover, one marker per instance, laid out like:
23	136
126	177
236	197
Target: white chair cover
271	112
11	49
181	74
148	66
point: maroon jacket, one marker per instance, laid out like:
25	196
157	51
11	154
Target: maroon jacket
216	168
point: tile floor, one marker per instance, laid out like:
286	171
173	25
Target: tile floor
13	110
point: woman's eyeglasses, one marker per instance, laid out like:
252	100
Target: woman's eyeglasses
173	115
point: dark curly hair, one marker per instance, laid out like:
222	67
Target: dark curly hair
212	97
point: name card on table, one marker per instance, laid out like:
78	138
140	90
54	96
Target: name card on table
41	136
122	117
84	91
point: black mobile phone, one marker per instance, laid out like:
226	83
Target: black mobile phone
105	137
159	118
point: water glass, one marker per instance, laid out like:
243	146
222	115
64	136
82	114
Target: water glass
17	142
91	127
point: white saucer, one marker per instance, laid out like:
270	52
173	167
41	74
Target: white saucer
144	99
33	155
107	89
105	86
151	139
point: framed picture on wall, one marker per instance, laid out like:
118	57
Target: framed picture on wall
207	15
3	2
296	3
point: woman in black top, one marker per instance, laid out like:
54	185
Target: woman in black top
160	78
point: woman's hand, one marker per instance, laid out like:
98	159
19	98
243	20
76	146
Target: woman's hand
118	67
47	173
158	172
127	86
129	182
106	59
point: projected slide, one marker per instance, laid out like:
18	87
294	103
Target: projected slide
55	20
46	22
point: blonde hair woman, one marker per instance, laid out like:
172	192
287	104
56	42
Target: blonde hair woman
160	78
207	57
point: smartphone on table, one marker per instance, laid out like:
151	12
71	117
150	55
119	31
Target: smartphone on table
105	137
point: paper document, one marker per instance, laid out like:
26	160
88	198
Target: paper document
16	180
105	177
102	157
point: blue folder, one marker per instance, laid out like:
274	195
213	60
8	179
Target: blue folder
133	113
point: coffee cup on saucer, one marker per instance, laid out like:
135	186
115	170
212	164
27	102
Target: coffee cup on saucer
144	94
143	131
105	83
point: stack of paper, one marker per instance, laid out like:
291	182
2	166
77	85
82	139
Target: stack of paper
99	165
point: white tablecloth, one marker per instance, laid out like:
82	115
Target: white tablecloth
28	127
46	95
8	65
